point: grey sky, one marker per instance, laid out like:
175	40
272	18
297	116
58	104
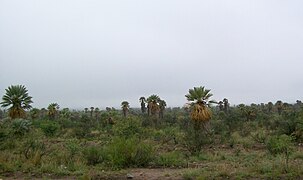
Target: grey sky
82	53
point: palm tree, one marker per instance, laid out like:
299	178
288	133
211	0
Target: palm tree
279	106
52	110
221	107
153	104
91	112
270	106
18	100
97	112
85	110
125	107
226	105
162	105
143	100
34	113
199	97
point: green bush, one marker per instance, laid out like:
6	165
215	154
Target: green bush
129	153
50	128
128	128
94	155
170	159
20	127
279	144
195	139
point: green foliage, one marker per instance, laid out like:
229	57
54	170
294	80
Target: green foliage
49	128
18	99
279	145
34	150
128	128
129	152
94	155
199	94
171	159
259	135
195	139
20	127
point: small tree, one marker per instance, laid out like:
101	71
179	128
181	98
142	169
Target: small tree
280	145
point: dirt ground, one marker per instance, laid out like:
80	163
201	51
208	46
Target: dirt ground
155	174
135	174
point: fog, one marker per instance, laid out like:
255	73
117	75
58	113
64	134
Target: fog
99	53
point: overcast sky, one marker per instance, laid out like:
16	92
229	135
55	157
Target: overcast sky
83	53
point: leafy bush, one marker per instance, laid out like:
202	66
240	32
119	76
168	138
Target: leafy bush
94	155
20	127
195	139
171	159
279	144
50	128
259	136
128	128
34	150
129	153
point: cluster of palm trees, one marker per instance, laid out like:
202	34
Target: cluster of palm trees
17	99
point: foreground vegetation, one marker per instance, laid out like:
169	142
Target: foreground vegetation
255	141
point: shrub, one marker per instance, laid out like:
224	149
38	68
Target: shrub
280	145
129	153
20	127
259	136
195	139
171	159
128	128
34	150
49	128
94	155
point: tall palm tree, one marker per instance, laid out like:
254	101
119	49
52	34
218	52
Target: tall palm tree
17	99
125	107
142	100
199	98
162	105
153	104
52	110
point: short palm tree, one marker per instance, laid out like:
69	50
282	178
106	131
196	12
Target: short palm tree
97	112
221	106
199	98
17	99
52	110
279	105
142	100
91	112
153	104
226	105
125	107
34	113
162	105
270	106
